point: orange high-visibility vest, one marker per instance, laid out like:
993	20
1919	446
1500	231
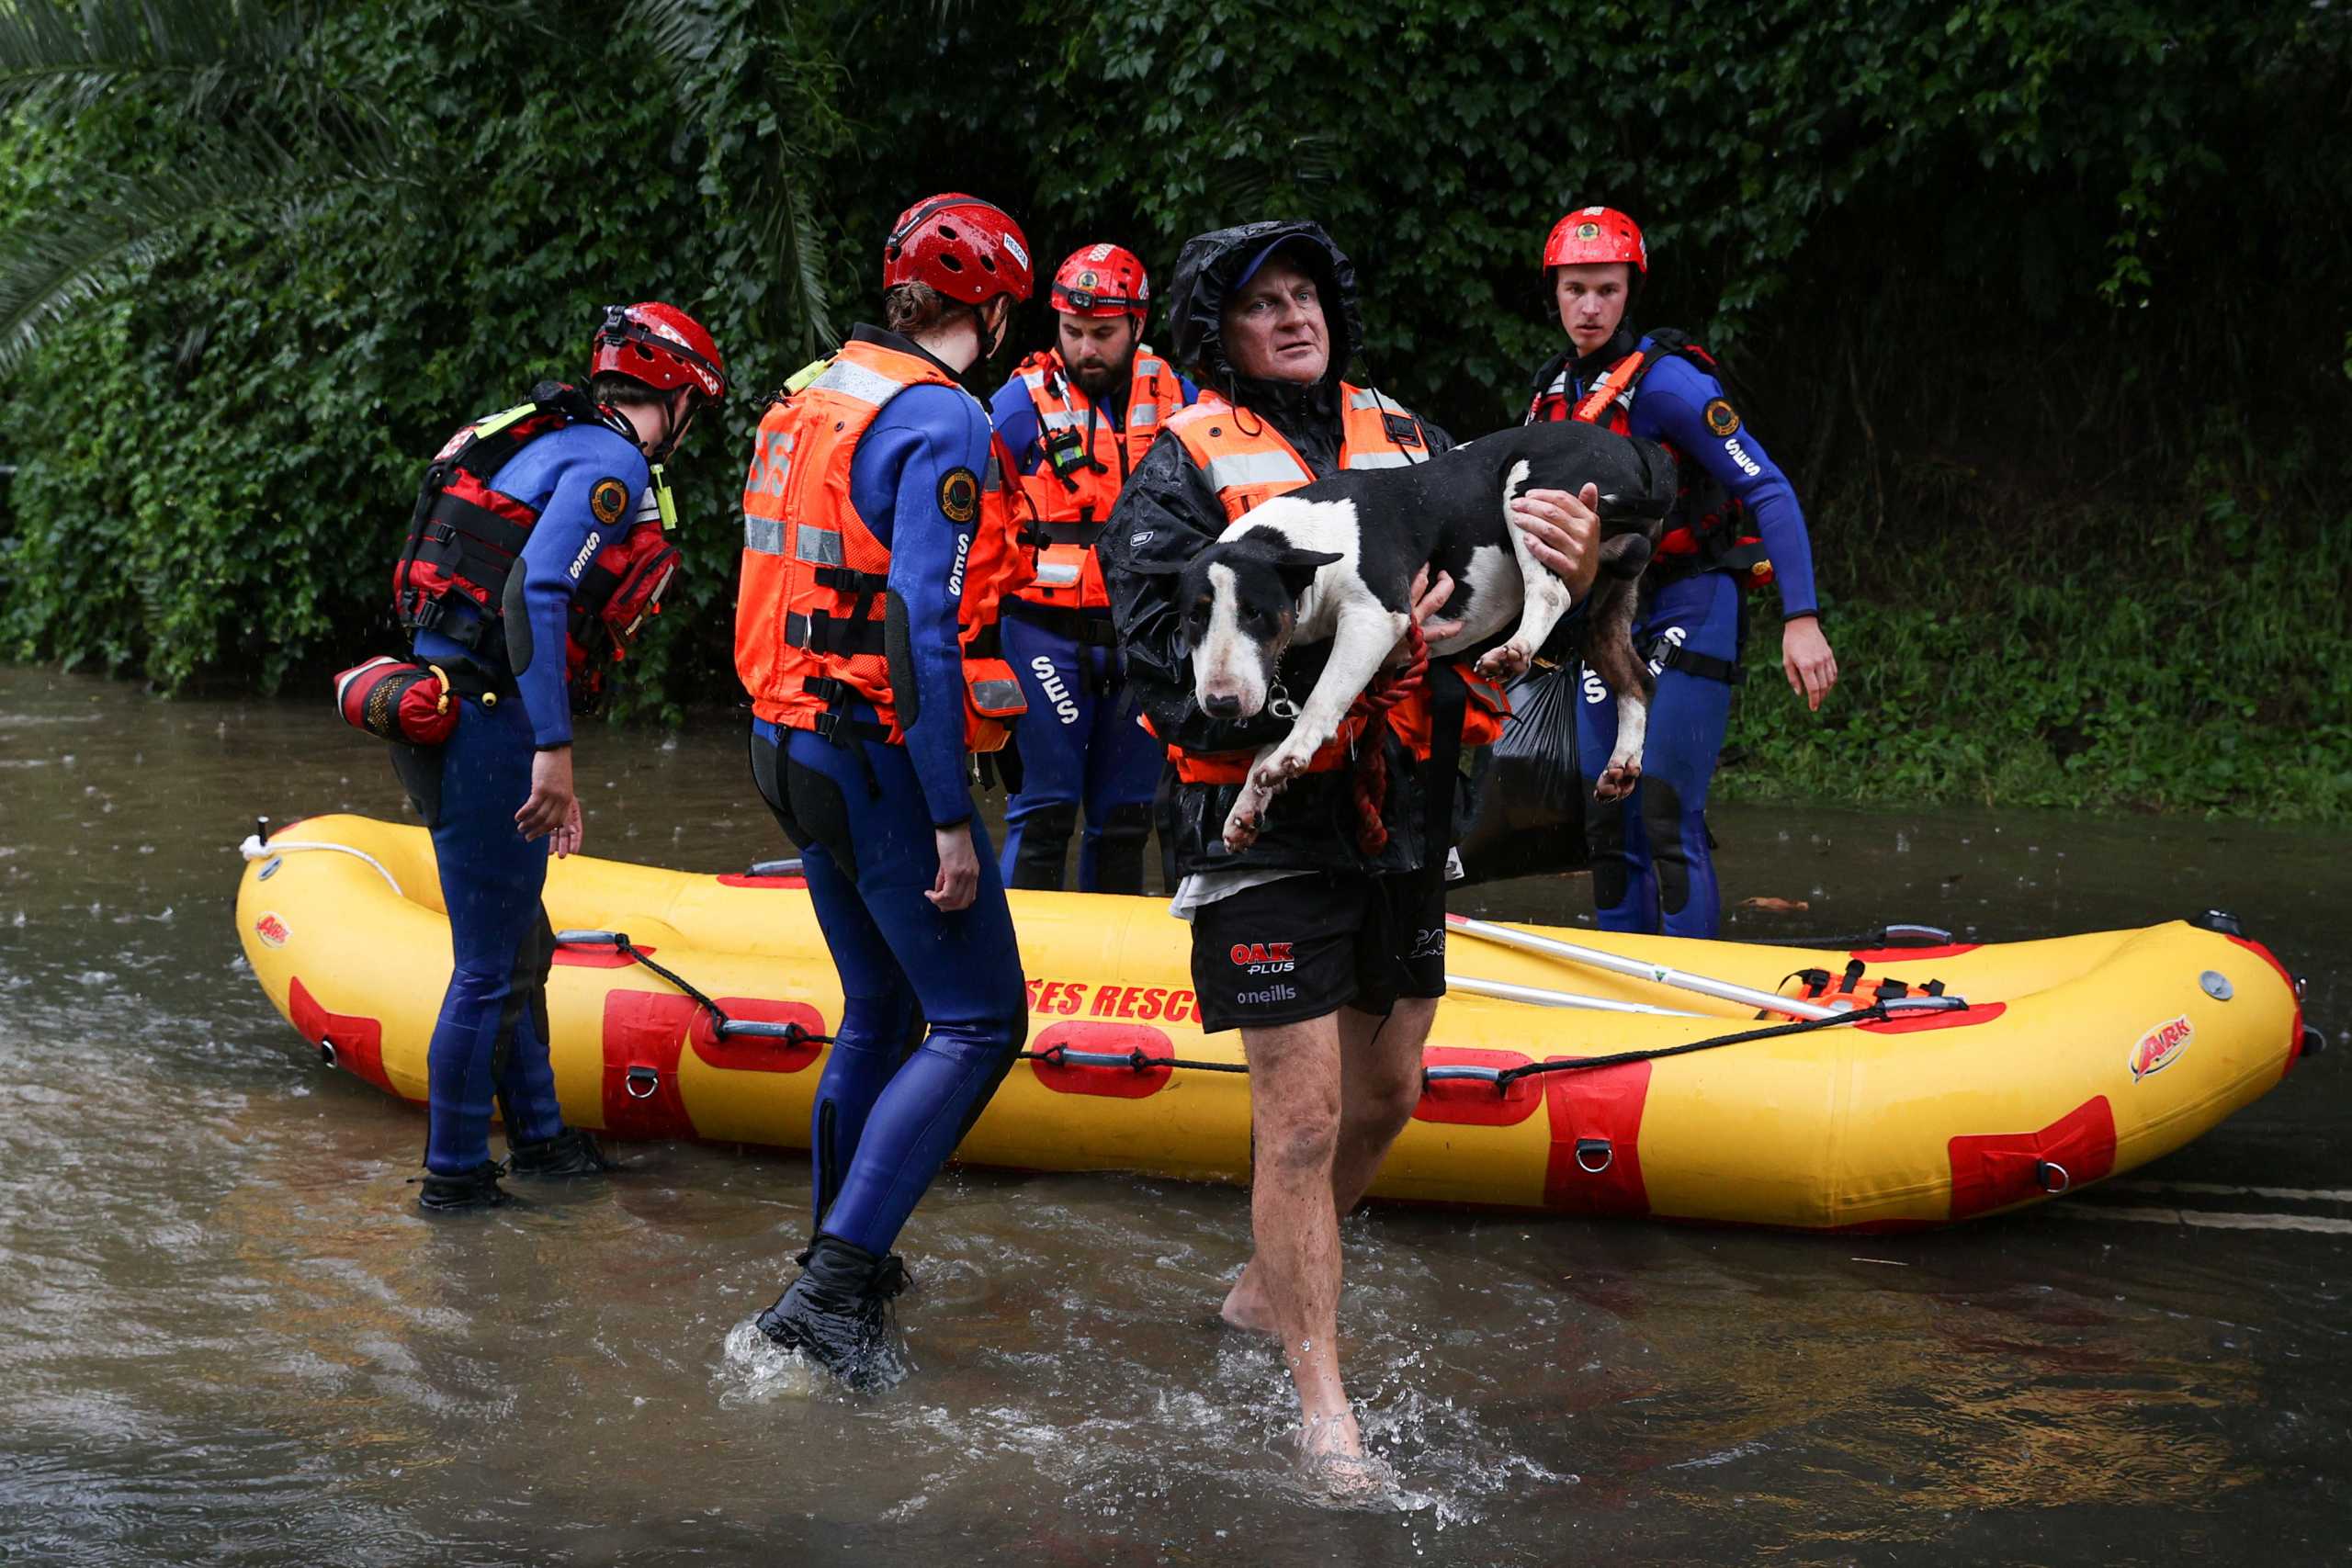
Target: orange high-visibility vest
1247	461
1084	458
809	616
1708	530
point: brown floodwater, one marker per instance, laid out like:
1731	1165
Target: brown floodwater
230	1338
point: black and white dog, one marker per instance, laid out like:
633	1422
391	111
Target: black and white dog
1337	559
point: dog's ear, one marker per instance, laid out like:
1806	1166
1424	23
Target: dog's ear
1297	568
1623	557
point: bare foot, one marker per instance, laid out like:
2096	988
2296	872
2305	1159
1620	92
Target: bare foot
1327	1438
1246	1307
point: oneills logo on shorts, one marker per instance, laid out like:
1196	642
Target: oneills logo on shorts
272	930
2161	1047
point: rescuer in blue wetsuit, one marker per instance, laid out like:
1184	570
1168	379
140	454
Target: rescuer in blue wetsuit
879	539
1736	526
537	548
1077	418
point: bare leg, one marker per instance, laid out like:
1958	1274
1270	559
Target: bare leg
1380	1061
1295	1109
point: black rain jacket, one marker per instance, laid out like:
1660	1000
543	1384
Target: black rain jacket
1168	512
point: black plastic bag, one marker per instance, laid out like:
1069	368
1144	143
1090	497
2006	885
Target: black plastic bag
1524	799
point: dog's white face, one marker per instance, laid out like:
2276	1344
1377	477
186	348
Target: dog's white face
1233	666
1239	600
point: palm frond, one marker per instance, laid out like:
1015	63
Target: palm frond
58	59
53	266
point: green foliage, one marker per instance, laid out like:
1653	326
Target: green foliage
2039	302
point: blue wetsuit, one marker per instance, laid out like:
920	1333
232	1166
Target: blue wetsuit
1079	742
1653	867
889	1111
491	1039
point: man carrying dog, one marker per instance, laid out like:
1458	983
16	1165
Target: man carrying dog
1737	526
1323	941
1077	417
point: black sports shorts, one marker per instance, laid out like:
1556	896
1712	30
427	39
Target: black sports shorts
1284	951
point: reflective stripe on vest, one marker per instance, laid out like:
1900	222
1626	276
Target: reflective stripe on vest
1096	455
1247	461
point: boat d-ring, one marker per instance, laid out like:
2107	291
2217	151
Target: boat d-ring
326	1051
643	1083
1587	1148
2048	1168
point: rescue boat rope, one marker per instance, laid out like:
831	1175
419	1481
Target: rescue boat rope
254	849
1138	1059
726	1028
1877	1012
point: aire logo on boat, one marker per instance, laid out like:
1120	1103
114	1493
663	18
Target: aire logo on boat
271	929
2161	1047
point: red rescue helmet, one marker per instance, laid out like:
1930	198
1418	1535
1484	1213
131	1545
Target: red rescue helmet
1102	280
660	345
1594	236
969	250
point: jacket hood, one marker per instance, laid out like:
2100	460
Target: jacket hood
1208	268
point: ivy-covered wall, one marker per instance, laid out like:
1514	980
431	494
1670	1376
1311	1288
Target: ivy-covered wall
2042	303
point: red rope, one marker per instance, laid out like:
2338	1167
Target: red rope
1387	689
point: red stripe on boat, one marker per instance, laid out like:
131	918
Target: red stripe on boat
1994	1171
1596	1122
569	956
644	1032
756	1053
1950	1017
1119	1082
2295	1029
1473	1102
358	1041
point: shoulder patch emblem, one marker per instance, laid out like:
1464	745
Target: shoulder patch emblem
960	495
608	500
1721	418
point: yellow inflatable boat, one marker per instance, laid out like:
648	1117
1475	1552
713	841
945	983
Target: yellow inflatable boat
1569	1072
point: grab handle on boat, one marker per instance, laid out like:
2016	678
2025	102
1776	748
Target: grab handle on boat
643	1083
2045	1170
1586	1148
774	867
763	1029
591	939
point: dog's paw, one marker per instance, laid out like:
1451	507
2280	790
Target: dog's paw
1505	663
1617	780
1241	827
1269	776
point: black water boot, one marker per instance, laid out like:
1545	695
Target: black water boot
838	1313
571	1152
475	1189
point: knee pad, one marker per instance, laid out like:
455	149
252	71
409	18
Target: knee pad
817	812
1044	843
1604	838
1131	822
1670	851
